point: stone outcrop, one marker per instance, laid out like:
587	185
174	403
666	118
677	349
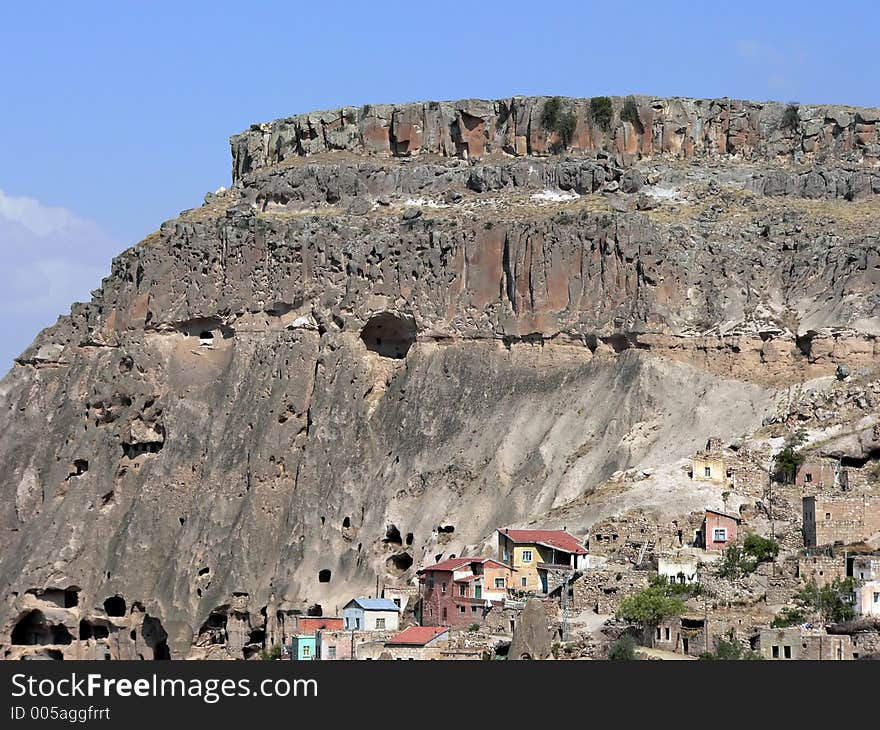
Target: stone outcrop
403	327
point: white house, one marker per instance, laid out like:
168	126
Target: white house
371	614
867	598
866	567
680	568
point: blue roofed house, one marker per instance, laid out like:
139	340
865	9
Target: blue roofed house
371	614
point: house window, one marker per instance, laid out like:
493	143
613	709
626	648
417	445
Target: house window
527	556
331	652
827	515
431	582
786	652
462	590
461	609
719	534
499	582
808	478
396	602
380	623
667	633
444	613
474	609
443	587
658	633
524	582
707	471
775	652
307	650
876	597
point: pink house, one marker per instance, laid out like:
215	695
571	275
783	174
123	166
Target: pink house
719	530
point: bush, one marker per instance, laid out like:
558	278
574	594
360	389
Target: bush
556	118
762	549
650	606
832	601
271	654
623	650
729	648
790	457
790	117
601	111
788	616
474	627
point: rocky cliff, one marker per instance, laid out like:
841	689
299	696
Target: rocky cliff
405	326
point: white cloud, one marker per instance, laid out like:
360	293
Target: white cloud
51	258
37	218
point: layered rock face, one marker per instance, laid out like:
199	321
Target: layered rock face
404	327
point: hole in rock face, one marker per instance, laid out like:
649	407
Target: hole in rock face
446	529
392	536
409	538
324	576
155	637
115	606
389	335
399	563
346	522
315	610
32	629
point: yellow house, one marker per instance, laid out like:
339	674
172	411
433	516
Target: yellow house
534	553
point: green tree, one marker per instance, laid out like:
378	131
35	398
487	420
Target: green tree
729	648
762	549
624	649
650	606
735	563
788	616
832	601
271	654
555	117
790	457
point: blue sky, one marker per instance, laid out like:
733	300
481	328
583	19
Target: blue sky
116	115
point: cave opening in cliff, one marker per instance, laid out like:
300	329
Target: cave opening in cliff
115	606
346	523
60	635
399	563
155	637
206	338
392	536
409	539
389	335
324	576
132	451
446	529
315	610
32	629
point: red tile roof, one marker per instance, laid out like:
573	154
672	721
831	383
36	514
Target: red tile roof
558	539
452	564
417	635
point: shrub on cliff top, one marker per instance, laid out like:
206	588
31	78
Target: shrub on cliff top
790	117
556	118
601	111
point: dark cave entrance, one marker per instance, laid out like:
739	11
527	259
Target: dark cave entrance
389	335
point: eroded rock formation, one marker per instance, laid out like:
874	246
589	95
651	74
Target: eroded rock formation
437	318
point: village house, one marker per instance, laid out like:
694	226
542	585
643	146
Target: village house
840	519
459	591
302	647
308	625
348	645
371	614
822	474
866	598
864	567
709	465
681	634
417	642
535	555
802	642
822	569
719	530
404	596
679	568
